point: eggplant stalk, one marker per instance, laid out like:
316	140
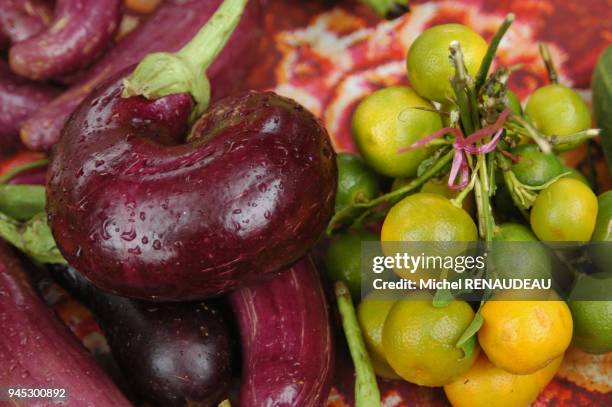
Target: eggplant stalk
164	73
366	387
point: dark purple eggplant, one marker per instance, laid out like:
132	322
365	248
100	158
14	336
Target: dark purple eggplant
37	351
79	32
173	354
287	343
145	214
19	99
22	19
170	27
144	208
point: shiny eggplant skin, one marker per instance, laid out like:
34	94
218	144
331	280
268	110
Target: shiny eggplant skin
79	32
19	99
170	27
173	354
144	212
287	342
37	351
22	19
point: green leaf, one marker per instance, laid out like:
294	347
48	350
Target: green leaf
22	202
602	100
442	298
467	341
33	237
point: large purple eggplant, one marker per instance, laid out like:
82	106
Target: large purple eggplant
22	19
146	211
19	99
172	25
174	354
38	352
79	32
287	343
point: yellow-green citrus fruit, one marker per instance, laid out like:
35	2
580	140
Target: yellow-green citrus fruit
385	121
564	211
419	341
429	68
558	110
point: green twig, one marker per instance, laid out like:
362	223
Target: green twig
367	393
481	77
550	66
533	133
12	173
355	211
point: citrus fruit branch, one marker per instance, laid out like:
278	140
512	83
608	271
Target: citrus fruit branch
483	72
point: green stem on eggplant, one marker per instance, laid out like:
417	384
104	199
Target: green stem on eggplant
367	393
359	211
22	202
485	65
13	172
33	238
550	66
163	73
388	9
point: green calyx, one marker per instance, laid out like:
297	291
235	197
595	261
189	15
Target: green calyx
163	73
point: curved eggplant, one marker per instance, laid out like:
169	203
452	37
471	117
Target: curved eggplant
287	343
143	213
173	354
22	19
79	32
170	27
19	99
37	351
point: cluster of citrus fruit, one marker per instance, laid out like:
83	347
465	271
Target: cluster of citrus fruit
518	344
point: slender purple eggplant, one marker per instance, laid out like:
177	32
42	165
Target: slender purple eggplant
79	32
38	352
19	99
22	19
287	346
145	208
170	27
173	354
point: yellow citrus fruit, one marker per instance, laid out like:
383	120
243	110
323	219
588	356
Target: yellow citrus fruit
486	385
419	341
429	69
371	314
428	217
522	337
385	121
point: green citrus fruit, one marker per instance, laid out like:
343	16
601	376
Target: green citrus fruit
356	182
343	259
